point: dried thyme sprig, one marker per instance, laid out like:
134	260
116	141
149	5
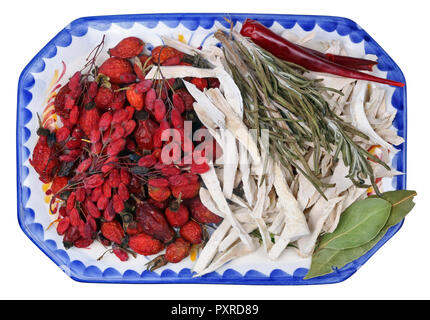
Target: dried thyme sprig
279	98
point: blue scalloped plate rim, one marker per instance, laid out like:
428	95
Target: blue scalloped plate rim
78	28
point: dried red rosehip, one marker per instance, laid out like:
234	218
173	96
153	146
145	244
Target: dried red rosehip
162	53
192	232
144	244
202	214
89	121
177	214
104	98
115	67
177	251
153	222
58	184
127	48
159	193
135	98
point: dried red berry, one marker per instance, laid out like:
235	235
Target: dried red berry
93	181
115	67
123	192
144	244
162	53
58	184
177	251
135	98
213	83
118	203
115	147
158	182
92	209
187	98
200	83
70	203
134	228
44	160
129	127
150	98
109	213
118	132
159	110
89	120
75	218
147	161
63	225
104	98
186	191
202	214
177	214
62	134
84	165
124	176
127	48
119	116
121	254
102	202
83	243
144	86
192	232
144	134
80	194
113	231
95	136
153	222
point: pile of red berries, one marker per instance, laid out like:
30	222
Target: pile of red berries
109	181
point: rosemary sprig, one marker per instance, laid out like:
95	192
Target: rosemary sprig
279	98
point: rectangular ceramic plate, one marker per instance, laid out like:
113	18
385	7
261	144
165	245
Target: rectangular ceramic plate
66	53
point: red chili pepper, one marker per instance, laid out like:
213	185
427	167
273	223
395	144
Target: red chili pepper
289	51
350	62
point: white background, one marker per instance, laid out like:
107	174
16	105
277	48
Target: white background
398	271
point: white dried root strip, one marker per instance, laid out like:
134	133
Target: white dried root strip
257	216
233	236
202	114
169	72
278	222
317	217
239	201
248	184
211	248
207	201
359	118
295	221
294	217
235	124
211	182
236	251
231	163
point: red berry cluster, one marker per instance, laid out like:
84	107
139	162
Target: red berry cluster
109	181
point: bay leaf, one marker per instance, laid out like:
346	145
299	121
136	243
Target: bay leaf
325	260
358	224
